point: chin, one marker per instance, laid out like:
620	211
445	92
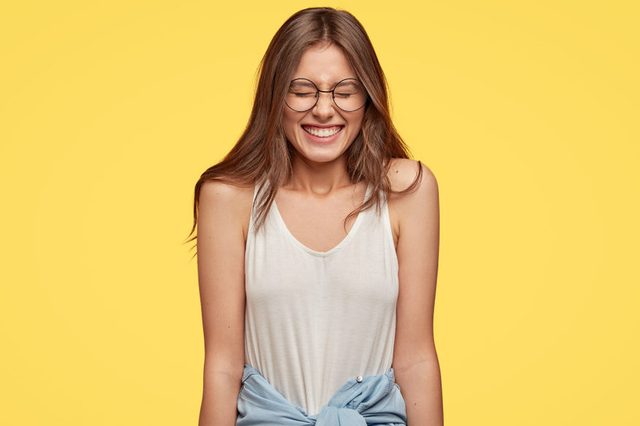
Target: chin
319	157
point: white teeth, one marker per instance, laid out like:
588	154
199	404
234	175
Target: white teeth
323	133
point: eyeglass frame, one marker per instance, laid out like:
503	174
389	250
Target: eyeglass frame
333	94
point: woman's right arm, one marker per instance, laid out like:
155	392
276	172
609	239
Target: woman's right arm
220	245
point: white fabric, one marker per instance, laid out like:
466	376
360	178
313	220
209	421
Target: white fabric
315	319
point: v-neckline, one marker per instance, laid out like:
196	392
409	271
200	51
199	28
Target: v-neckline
342	243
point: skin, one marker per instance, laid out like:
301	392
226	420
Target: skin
314	204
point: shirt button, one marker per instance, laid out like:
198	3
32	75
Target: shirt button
359	379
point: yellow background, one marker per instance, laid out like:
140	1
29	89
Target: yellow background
527	112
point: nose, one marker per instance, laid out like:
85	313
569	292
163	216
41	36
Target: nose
325	105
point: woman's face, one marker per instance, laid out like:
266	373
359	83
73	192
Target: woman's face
324	66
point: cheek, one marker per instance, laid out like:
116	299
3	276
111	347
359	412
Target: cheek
356	124
289	124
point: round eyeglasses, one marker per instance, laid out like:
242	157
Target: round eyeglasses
349	95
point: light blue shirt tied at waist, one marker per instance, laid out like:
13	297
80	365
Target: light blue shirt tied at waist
361	401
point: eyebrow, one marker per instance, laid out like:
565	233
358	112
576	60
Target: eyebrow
333	83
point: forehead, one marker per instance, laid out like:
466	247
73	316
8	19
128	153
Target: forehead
324	64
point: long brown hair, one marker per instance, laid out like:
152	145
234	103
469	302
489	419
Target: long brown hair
262	154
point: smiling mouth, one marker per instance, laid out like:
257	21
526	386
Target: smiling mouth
322	132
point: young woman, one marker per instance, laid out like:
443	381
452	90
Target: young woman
317	247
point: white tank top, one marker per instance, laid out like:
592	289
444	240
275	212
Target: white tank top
315	319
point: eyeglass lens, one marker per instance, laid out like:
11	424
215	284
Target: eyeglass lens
349	95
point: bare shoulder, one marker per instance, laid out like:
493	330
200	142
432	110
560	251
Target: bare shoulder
226	201
402	173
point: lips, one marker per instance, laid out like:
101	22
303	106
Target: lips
313	126
322	132
322	126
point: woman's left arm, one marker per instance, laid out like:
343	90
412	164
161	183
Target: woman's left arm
415	361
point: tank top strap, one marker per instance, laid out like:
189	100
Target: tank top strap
256	187
252	217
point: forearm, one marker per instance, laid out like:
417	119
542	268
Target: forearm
219	397
421	388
